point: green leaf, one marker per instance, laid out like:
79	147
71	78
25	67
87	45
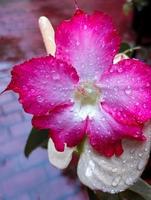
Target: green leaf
36	139
130	195
142	188
124	46
139	191
128	8
108	196
128	50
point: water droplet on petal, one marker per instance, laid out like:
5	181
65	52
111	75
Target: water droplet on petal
55	76
128	91
88	172
112	191
40	99
124	161
120	70
147	84
77	43
129	181
32	90
114	170
116	181
85	27
140	155
140	165
144	105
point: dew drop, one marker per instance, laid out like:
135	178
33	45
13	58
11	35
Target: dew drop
85	27
132	157
128	91
124	161
88	172
112	191
145	149
82	66
114	170
148	84
39	99
55	76
77	43
120	70
140	155
144	105
115	89
140	165
116	181
129	181
32	90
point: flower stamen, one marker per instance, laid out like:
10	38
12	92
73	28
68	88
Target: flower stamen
87	94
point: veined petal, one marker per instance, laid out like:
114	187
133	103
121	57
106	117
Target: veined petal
126	91
59	159
88	42
117	173
105	133
43	84
65	126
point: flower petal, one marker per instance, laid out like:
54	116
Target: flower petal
126	91
43	83
117	173
65	126
88	42
59	159
118	57
105	133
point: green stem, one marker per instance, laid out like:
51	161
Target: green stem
131	50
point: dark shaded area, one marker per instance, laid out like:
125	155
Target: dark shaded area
141	24
142	28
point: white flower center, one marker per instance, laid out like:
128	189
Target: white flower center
87	96
87	93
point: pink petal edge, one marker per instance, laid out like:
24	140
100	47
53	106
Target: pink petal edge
88	42
43	83
126	91
65	127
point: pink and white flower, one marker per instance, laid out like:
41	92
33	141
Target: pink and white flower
81	94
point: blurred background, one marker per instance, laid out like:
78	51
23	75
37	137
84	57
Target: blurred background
34	178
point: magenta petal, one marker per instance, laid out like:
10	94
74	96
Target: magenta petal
106	134
88	42
43	83
126	91
65	126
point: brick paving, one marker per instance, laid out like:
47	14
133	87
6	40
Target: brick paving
33	178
